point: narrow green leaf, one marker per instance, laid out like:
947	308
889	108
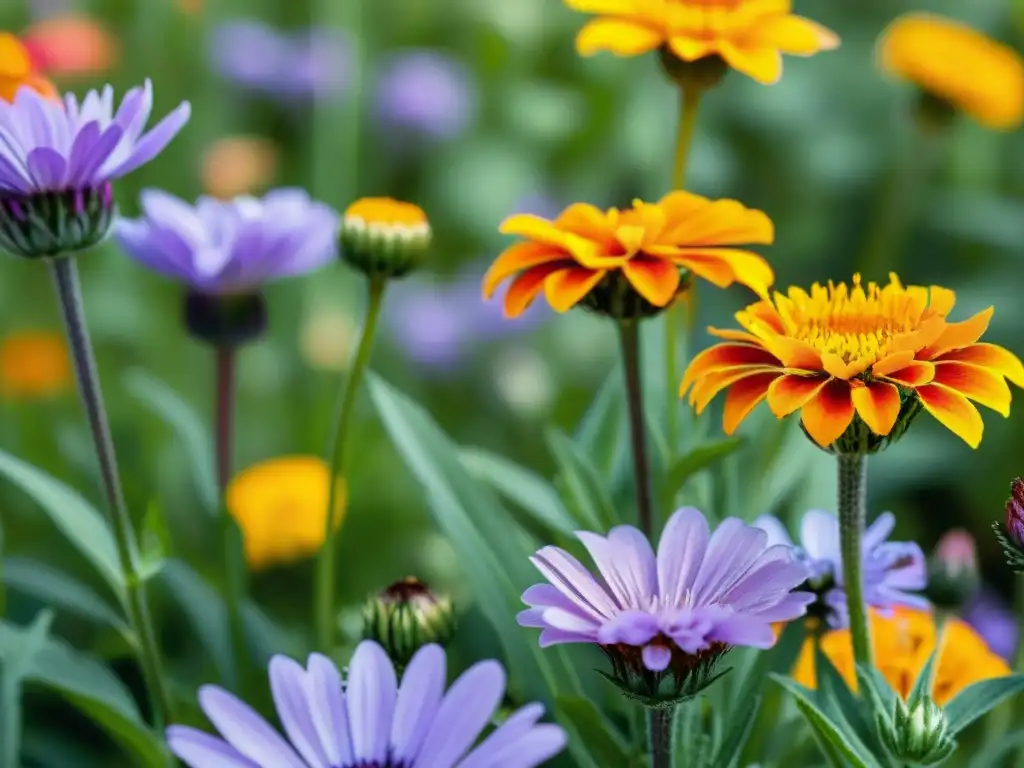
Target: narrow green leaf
94	690
601	434
526	488
180	416
76	518
60	590
923	683
154	544
873	685
601	738
700	458
976	701
589	493
16	659
831	732
833	755
837	700
729	751
688	729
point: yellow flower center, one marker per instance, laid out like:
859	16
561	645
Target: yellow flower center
385	211
851	322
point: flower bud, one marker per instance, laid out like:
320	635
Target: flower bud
916	733
50	224
384	238
684	678
1011	534
405	617
953	570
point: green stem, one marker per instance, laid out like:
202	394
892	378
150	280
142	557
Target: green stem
65	279
629	336
689	107
659	733
325	575
852	492
234	565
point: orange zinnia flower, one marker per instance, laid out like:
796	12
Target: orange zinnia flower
902	643
647	245
957	64
750	35
17	70
842	352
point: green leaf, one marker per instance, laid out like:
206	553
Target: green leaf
923	683
60	590
601	434
16	658
700	458
493	551
526	488
182	418
78	520
976	701
840	702
91	688
600	736
873	685
993	755
588	492
736	738
830	732
154	543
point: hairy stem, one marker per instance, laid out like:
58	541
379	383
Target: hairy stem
852	492
659	732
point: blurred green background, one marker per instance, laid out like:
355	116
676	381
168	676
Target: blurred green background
494	113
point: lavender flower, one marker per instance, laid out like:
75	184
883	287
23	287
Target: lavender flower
57	161
665	619
372	721
425	92
890	570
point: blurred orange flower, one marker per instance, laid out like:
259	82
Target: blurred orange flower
749	35
34	364
280	506
17	69
239	165
957	64
902	644
71	45
648	245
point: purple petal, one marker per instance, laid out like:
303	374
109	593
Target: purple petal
201	750
656	657
169	212
47	167
681	552
771	578
327	705
154	142
616	562
743	630
518	742
878	531
777	533
288	686
134	111
792	606
569	621
245	730
819	536
629	628
12	178
372	689
575	582
89	154
418	699
551	636
733	548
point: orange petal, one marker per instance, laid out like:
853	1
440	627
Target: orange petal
706	266
14	59
790	393
716	223
795	353
914	375
731	335
795	35
586	221
991	356
524	289
834	365
723	356
761	313
826	416
515	259
743	397
953	411
941	300
656	280
878	405
704	391
566	287
978	384
619	36
762	62
958	335
603	7
746	268
893	362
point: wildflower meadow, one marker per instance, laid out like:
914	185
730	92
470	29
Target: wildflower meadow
477	384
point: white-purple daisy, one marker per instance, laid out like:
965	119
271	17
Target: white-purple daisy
370	720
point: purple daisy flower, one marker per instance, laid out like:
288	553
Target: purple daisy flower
230	247
371	721
672	612
426	92
995	622
891	570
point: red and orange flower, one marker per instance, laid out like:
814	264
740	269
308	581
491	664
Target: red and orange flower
842	352
17	69
648	245
749	35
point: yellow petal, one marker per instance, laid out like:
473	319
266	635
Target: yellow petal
515	259
618	36
878	405
762	63
567	287
796	35
953	411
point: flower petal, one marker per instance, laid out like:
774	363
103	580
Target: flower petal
288	686
878	405
517	258
723	356
681	550
566	287
526	286
371	692
743	397
761	62
990	356
953	411
914	375
796	35
981	385
633	627
826	416
657	280
245	730
958	335
569	577
789	393
619	36
418	699
197	749
656	657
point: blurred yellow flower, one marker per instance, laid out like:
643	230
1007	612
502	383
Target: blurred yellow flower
958	65
749	35
34	364
17	69
71	45
239	165
281	507
902	644
384	237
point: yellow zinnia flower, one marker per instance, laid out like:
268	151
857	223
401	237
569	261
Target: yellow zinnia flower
840	352
647	245
33	364
902	643
17	70
281	507
958	65
750	35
